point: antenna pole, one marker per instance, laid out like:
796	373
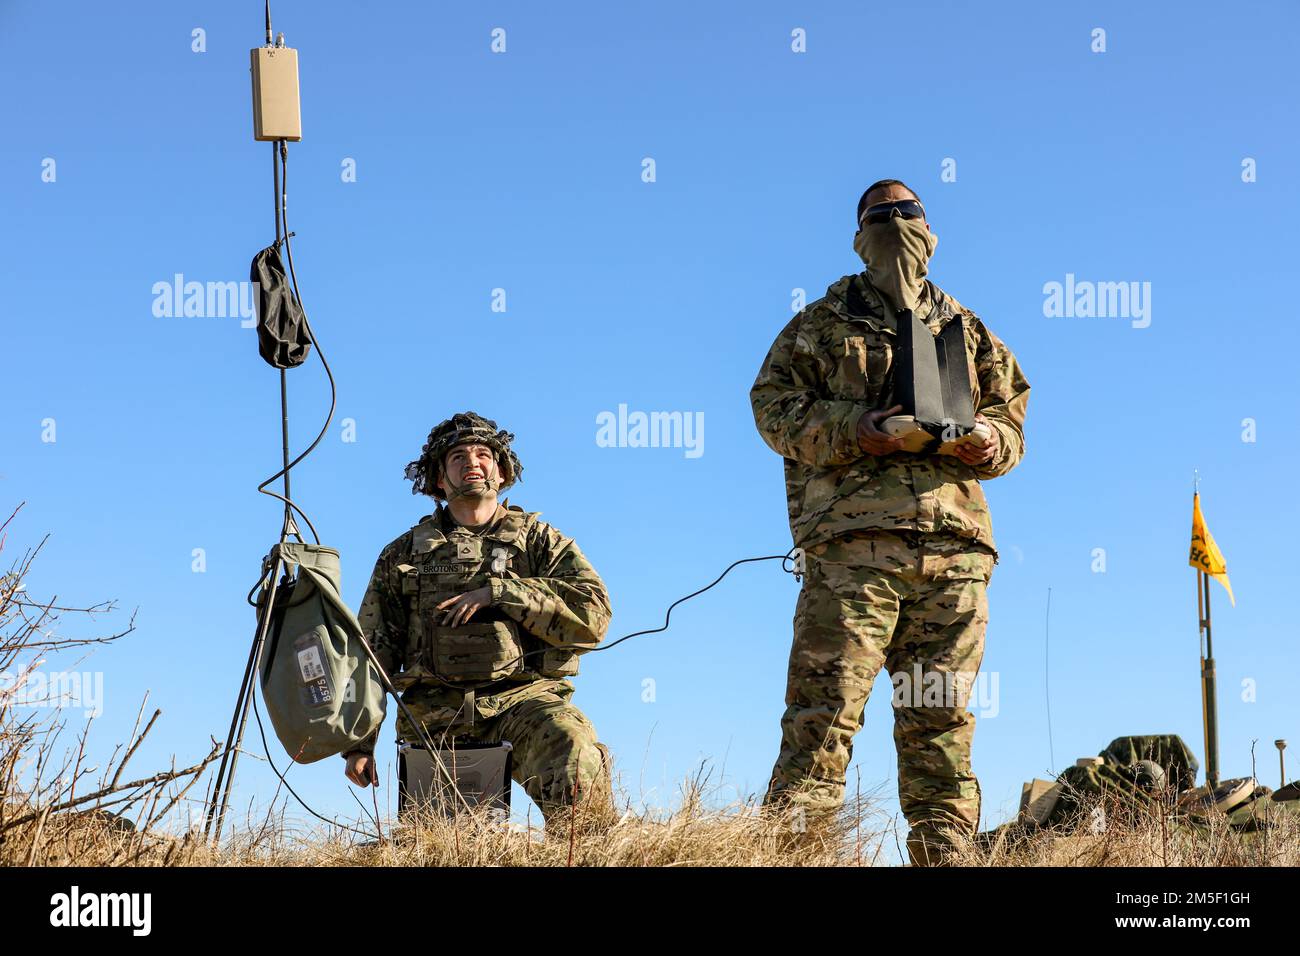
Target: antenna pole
224	782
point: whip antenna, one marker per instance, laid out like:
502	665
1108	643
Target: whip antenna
1047	677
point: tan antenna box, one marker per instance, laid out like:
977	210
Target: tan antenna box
276	114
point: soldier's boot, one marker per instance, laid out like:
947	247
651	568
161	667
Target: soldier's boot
803	827
929	845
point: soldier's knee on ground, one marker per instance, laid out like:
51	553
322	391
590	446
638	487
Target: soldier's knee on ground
572	769
596	811
580	795
601	788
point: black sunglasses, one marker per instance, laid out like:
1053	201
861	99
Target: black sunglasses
884	211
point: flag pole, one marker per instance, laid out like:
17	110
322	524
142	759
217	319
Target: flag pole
1208	689
1208	561
1205	707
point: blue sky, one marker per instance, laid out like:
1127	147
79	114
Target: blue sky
522	171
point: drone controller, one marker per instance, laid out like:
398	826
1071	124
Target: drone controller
917	438
932	384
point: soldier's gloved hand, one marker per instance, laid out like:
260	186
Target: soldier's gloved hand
871	439
459	609
976	453
361	769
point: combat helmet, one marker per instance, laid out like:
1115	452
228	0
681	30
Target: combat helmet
463	428
1148	776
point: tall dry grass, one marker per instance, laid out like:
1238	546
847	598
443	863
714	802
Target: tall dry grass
57	811
690	836
1159	835
693	835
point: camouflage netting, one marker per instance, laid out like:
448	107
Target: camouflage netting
1121	776
1125	782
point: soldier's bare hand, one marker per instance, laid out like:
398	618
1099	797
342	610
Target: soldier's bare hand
459	609
361	770
871	439
977	453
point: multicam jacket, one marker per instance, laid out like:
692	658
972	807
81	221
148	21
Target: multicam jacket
832	363
548	605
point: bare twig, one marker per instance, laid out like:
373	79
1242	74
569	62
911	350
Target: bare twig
138	740
133	785
36	837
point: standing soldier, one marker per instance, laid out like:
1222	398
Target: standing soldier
899	548
479	614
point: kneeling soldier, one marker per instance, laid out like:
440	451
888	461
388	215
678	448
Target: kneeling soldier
479	614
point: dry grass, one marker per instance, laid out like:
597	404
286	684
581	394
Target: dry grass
740	836
56	811
691	836
1156	836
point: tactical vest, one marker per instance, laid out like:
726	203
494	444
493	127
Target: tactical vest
491	646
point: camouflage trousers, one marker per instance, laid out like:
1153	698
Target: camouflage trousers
914	604
555	754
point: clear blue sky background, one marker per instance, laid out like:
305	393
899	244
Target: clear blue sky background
523	171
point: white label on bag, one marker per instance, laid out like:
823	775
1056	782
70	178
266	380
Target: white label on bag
309	664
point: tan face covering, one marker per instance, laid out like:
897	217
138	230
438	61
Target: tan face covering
897	254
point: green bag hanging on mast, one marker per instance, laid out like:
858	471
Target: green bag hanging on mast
322	692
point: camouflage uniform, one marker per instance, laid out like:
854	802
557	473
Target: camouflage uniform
468	683
899	552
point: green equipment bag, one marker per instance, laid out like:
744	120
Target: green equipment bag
322	692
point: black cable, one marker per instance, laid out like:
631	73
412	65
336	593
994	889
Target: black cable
311	335
783	558
301	802
283	216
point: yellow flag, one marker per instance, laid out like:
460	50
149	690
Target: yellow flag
1205	555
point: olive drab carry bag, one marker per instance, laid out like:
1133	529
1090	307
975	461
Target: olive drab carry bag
322	691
